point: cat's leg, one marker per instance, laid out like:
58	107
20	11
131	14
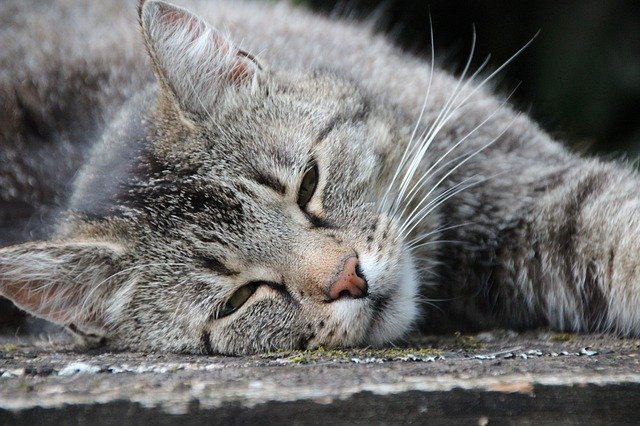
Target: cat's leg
565	253
585	241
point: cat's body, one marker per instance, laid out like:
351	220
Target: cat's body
171	196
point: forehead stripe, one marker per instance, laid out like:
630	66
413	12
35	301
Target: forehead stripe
216	266
328	128
270	181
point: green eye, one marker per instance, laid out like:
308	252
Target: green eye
236	300
308	186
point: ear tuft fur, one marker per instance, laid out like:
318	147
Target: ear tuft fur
193	61
63	282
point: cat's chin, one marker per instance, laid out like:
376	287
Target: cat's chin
395	311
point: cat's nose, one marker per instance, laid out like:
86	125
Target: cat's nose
350	282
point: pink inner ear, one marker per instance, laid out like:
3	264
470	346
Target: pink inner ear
239	72
243	68
194	63
40	299
178	19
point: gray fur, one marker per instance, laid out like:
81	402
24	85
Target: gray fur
171	192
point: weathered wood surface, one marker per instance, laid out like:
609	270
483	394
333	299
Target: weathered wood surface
498	377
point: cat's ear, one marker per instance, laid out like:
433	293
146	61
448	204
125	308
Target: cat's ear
193	62
63	282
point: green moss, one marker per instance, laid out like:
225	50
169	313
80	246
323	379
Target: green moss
25	386
468	342
298	359
9	347
562	337
321	354
403	352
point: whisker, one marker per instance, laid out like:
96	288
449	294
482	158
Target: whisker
473	154
432	131
430	134
438	230
429	243
436	126
415	129
421	206
418	216
430	172
422	214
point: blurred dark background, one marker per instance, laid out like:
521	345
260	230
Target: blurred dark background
580	79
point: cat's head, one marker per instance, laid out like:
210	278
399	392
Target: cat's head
239	213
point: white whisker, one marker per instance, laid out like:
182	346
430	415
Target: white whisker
422	212
429	173
418	121
439	122
418	216
438	230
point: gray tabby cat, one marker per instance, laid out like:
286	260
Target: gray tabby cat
310	186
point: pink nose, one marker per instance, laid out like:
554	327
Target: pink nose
349	283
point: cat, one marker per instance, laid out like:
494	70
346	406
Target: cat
252	177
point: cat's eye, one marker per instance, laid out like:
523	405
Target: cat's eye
237	299
308	186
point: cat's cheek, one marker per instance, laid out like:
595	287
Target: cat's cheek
266	322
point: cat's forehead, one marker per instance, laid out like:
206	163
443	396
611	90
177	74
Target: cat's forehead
284	125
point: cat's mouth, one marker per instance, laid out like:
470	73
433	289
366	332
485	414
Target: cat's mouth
393	307
382	317
378	306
